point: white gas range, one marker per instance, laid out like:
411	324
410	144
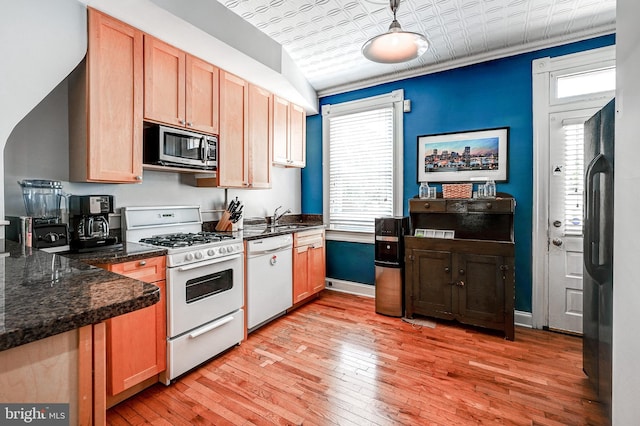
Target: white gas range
205	279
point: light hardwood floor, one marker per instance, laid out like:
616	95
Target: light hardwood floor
335	361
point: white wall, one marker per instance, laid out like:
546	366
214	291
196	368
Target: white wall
626	283
42	41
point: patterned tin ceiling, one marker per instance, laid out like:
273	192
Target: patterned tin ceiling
324	37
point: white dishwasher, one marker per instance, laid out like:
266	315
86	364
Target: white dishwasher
269	279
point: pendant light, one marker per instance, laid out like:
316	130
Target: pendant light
395	45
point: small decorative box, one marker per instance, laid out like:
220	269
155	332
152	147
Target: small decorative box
457	190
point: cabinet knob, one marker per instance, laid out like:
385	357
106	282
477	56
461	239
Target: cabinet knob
138	178
461	271
142	263
446	269
427	205
489	205
181	121
460	284
189	123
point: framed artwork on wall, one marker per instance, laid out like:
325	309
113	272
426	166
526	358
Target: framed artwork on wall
477	155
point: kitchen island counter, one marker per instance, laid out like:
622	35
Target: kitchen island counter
46	294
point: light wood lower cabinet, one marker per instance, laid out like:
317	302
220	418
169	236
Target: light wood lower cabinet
309	268
136	342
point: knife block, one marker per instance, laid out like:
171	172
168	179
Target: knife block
224	224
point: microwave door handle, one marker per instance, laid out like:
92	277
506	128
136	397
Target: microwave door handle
203	156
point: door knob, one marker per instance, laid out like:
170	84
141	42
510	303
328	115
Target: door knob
557	223
557	242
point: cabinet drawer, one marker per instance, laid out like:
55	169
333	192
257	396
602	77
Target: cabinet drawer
419	206
489	206
148	270
313	237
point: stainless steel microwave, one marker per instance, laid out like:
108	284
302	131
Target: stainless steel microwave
168	146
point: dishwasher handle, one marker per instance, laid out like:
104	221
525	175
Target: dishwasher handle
263	252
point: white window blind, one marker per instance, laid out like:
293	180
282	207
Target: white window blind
573	177
361	169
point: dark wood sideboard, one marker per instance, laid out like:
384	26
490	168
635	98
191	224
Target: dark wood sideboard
469	278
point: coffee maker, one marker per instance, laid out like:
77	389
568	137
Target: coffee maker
89	222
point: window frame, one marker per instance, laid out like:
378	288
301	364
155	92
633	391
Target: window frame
395	99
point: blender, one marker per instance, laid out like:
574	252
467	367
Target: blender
43	227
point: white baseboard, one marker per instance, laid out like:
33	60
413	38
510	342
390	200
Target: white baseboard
523	319
350	287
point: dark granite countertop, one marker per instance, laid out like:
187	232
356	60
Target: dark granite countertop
255	232
256	229
44	294
126	252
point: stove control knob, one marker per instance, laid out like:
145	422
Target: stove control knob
223	250
188	257
199	255
231	249
211	252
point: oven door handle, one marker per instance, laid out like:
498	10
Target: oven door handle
209	262
210	327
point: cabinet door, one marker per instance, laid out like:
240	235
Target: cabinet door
136	342
430	280
481	298
115	100
297	136
164	82
202	95
301	288
317	268
280	131
232	147
136	345
260	137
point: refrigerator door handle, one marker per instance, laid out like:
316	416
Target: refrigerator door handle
592	217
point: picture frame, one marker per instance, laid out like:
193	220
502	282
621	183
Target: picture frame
476	155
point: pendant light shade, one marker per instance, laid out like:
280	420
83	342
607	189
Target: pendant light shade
395	45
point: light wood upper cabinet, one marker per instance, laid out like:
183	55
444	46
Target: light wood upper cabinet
244	148
180	90
297	136
289	134
260	137
232	146
106	105
202	95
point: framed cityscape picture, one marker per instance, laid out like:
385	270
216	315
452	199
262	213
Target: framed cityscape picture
477	155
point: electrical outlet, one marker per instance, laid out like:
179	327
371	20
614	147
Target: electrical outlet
406	105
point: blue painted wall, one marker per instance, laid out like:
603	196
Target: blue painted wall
491	94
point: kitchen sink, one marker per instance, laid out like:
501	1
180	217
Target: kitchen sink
285	226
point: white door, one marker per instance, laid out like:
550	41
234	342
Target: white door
566	165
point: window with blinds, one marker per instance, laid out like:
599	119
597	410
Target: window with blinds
361	169
573	177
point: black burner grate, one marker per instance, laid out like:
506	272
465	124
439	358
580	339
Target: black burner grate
186	239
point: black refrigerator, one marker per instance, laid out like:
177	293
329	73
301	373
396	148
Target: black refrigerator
598	251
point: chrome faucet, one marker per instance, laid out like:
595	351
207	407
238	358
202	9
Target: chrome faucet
276	217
